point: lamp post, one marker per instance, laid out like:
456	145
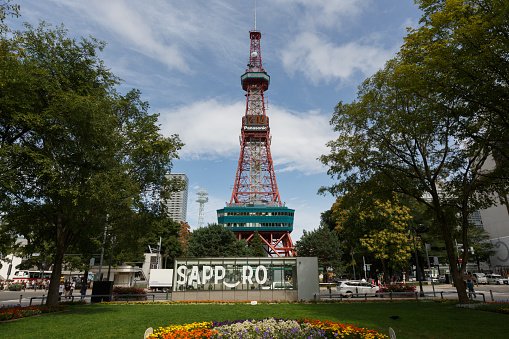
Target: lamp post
111	257
417	264
99	277
353	263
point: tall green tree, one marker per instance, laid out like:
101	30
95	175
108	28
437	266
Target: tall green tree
460	54
256	248
324	244
394	138
216	241
75	155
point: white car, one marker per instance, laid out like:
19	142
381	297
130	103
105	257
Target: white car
353	287
479	278
496	279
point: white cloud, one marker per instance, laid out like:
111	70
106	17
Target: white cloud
321	13
210	130
169	32
298	139
320	60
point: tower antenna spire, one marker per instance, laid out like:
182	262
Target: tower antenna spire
255	208
255	15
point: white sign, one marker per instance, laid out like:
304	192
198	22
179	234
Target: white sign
217	273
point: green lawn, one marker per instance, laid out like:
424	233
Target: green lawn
416	319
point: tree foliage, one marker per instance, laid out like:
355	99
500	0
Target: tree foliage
7	8
256	248
75	155
216	241
377	227
324	244
427	123
460	53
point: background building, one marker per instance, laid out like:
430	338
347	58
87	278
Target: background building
177	204
495	221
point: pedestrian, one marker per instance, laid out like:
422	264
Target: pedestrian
73	285
67	290
83	290
470	287
60	290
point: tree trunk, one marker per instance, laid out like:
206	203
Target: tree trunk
61	247
451	256
84	280
55	279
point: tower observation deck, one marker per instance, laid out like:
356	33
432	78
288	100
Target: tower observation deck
255	203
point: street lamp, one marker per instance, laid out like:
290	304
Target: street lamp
111	257
417	264
353	263
99	277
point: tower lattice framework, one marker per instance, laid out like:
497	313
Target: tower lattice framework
255	180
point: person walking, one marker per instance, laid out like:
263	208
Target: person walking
60	290
67	290
83	290
470	287
73	285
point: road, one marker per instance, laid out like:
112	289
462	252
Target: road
491	293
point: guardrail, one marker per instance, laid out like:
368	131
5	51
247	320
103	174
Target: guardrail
103	297
470	294
391	295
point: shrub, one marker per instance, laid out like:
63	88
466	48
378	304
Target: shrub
397	288
128	290
15	287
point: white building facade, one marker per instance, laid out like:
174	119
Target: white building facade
177	204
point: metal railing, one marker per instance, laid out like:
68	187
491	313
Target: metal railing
392	295
103	297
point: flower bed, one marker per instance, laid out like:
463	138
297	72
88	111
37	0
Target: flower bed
129	293
268	328
22	312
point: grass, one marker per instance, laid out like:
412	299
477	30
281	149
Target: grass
423	319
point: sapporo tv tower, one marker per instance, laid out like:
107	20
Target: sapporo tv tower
255	204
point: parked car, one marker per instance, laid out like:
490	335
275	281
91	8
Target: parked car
479	278
352	287
494	278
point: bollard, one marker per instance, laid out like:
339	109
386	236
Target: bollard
20	297
491	294
166	294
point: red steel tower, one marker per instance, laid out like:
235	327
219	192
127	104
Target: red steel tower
255	204
255	182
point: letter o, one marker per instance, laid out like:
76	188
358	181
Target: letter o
257	275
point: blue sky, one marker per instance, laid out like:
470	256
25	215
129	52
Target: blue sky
187	58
